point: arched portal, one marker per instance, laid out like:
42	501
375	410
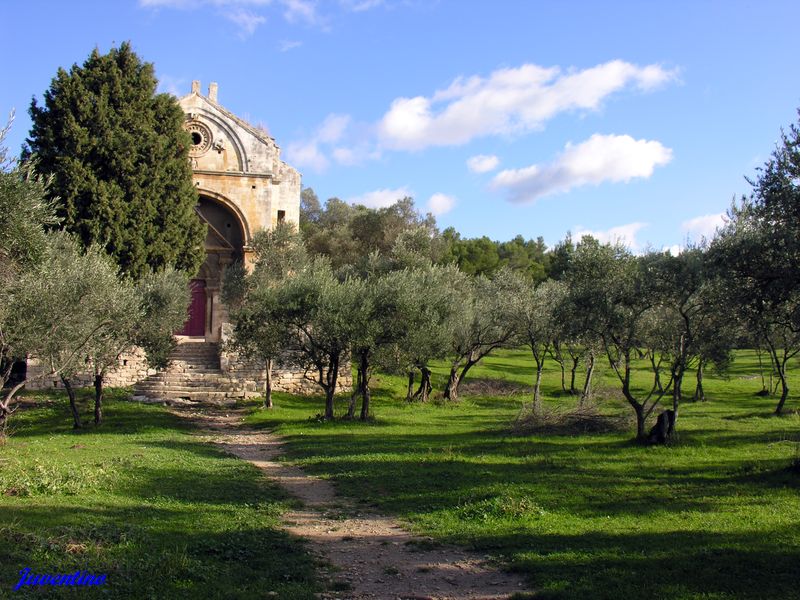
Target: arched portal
224	244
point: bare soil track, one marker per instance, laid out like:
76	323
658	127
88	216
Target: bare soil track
371	555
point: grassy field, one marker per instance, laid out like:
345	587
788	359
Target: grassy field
715	515
140	500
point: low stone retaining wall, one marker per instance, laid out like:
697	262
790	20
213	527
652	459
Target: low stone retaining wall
131	367
248	374
285	376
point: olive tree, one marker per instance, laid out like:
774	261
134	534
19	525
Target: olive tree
611	287
60	307
484	323
407	321
749	262
431	317
145	314
258	333
535	322
318	311
25	212
757	253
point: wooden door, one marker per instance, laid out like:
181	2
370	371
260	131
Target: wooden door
196	323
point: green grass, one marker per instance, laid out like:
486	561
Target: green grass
715	515
144	502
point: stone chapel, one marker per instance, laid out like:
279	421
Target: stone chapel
243	186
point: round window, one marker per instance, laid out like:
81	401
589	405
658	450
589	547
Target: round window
201	138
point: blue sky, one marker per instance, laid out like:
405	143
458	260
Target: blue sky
634	120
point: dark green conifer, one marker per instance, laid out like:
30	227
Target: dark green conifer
119	159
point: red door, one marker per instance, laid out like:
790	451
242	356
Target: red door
196	323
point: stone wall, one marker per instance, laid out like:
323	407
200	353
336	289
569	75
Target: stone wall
249	375
285	376
131	367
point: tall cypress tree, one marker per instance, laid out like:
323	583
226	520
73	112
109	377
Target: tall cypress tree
119	159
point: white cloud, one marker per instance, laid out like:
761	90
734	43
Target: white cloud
333	128
704	226
247	21
600	158
355	155
346	156
674	249
380	198
243	12
624	234
300	10
287	45
439	204
172	85
328	142
483	163
307	153
360	5
511	100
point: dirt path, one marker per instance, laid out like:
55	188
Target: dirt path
372	556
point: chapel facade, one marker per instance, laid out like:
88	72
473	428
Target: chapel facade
243	187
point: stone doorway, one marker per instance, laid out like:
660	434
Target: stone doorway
224	245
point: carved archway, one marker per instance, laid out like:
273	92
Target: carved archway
232	207
226	237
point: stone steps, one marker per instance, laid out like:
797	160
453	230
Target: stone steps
197	376
193	374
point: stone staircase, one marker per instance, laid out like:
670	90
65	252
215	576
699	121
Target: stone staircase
193	375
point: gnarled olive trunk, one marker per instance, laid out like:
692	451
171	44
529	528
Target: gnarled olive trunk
587	384
98	398
779	366
331	378
536	388
425	387
784	390
76	418
410	388
268	383
361	388
356	391
699	393
363	367
559	358
451	389
455	379
5	406
677	382
575	362
641	421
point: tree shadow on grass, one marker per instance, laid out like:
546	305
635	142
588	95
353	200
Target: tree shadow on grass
659	566
120	417
230	480
154	552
